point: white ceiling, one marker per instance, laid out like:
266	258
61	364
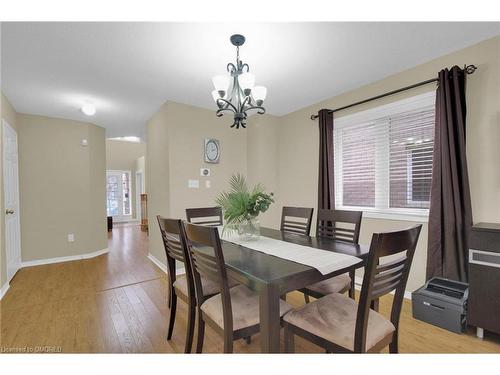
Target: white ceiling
129	69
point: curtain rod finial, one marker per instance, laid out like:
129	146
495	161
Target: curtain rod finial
313	117
470	69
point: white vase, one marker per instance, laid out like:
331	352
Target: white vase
249	230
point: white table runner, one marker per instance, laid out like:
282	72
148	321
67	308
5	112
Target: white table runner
324	261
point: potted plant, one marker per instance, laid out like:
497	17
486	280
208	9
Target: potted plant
241	207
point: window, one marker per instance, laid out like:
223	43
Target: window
118	191
383	157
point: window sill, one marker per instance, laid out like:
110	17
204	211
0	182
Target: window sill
419	218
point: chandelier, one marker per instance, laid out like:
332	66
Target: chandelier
235	92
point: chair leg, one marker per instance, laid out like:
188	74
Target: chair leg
190	327
352	275
173	308
374	304
228	342
248	340
201	333
393	346
289	340
306	298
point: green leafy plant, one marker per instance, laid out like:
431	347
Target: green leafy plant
240	204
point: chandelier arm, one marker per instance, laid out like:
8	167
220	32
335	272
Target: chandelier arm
228	104
231	68
260	110
245	66
242	108
220	112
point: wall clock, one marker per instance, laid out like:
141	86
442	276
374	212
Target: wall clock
211	150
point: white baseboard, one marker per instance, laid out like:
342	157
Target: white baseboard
39	262
358	281
163	266
3	290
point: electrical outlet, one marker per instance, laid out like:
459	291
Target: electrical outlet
205	172
71	237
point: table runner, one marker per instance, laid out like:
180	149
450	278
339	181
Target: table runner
324	261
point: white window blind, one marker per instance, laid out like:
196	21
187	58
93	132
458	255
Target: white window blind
383	157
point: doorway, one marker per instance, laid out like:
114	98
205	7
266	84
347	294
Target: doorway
11	196
119	193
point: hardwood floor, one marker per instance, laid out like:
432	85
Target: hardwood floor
117	303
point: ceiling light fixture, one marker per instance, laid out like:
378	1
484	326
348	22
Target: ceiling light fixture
88	109
235	92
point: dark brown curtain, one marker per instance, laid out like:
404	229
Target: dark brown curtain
326	195
450	216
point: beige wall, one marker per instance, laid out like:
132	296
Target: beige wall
8	114
263	158
121	155
157	177
175	155
297	140
62	187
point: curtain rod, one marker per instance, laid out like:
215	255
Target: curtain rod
469	69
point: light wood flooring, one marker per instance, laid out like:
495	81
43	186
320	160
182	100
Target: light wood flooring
116	303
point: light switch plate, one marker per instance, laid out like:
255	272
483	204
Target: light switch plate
71	237
193	184
208	185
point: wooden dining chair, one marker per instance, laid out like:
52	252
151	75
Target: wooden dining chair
341	226
340	324
296	220
175	250
211	216
234	313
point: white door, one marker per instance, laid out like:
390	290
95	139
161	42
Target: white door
11	195
118	190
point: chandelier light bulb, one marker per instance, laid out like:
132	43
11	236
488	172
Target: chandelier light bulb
259	94
216	96
221	82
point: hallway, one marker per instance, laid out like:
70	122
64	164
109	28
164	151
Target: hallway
117	303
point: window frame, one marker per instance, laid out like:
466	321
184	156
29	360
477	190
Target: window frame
376	115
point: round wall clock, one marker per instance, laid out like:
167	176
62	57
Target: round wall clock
212	150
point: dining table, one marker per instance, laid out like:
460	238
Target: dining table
272	277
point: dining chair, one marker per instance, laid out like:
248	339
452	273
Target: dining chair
211	216
340	324
342	226
234	312
296	220
175	250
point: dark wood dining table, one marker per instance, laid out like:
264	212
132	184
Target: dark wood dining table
271	276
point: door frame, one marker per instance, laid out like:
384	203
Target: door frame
122	218
138	191
7	127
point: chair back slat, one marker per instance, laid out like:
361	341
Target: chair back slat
171	236
174	243
296	220
209	216
207	259
387	269
339	225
